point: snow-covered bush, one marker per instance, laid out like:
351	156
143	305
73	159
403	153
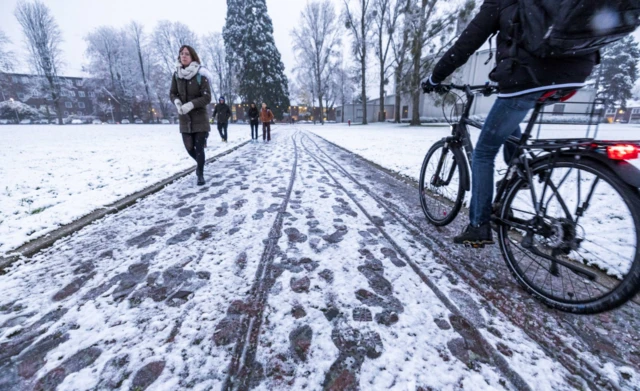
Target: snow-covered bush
9	109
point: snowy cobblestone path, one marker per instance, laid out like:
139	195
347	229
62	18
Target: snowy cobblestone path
298	266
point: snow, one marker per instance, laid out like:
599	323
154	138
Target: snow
402	149
51	175
131	266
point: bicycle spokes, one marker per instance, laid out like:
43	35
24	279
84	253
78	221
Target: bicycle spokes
578	241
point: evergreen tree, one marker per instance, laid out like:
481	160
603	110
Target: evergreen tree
618	72
261	77
233	33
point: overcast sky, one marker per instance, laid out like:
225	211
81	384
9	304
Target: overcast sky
76	18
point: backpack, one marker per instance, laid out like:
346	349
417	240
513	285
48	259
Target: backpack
567	28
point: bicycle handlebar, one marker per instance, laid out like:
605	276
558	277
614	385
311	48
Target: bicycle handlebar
486	89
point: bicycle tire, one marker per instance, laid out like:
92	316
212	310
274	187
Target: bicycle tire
452	201
627	288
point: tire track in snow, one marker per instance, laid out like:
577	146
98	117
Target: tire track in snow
242	363
594	377
498	360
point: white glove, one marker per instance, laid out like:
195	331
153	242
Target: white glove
187	107
178	105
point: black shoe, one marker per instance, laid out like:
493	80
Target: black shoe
476	237
200	179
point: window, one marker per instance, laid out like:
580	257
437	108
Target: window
558	109
339	113
79	82
69	83
611	110
405	111
20	96
68	105
72	93
359	113
81	105
25	79
35	93
63	93
81	94
92	94
635	111
14	79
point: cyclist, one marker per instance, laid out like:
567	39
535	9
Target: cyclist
522	79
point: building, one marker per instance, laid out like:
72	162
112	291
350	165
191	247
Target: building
77	98
474	72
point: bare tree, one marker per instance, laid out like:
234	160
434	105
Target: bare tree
43	39
315	41
305	87
359	23
400	45
167	39
216	56
386	14
5	55
136	32
343	86
431	25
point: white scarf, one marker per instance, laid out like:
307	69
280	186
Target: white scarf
189	72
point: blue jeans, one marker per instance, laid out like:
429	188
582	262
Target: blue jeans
502	122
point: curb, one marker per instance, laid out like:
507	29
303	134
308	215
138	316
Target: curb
33	247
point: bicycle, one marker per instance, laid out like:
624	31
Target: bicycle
553	192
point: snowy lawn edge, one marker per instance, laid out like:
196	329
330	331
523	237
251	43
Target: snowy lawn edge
48	239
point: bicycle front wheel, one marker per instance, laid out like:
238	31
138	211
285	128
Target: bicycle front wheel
441	188
581	254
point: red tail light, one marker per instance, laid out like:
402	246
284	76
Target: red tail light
622	152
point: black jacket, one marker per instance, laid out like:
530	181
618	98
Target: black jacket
512	73
254	114
197	120
222	113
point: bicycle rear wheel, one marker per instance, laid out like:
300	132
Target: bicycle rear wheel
582	255
441	188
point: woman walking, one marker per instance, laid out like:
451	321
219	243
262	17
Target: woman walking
254	118
266	116
190	92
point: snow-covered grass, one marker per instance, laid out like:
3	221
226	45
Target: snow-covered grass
402	148
51	176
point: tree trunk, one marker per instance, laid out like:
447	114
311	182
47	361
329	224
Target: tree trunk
381	115
415	78
146	85
398	102
363	64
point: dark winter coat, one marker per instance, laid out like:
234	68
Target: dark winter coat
513	74
254	115
222	113
197	120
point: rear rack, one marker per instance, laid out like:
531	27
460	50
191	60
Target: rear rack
589	114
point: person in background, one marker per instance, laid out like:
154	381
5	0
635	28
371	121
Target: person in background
266	116
254	118
222	113
190	92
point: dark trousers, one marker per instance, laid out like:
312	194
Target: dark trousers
254	130
194	144
222	129
266	131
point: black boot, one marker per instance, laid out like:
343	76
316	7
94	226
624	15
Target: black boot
476	237
200	176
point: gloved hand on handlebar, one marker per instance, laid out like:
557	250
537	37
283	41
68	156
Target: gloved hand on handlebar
429	87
